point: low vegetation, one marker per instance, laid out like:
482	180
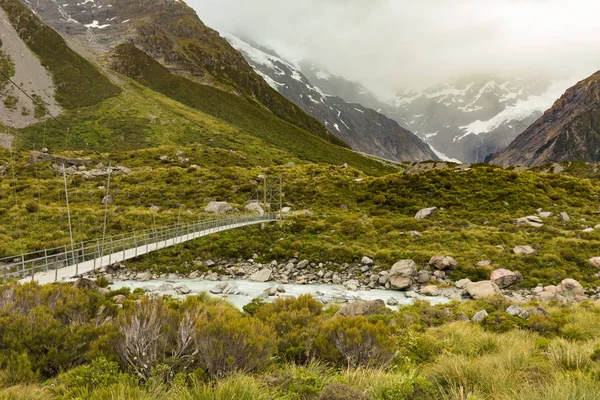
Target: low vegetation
58	342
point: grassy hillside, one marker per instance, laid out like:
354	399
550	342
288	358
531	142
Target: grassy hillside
78	82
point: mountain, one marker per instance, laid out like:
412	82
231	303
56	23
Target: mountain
144	74
570	130
469	119
364	129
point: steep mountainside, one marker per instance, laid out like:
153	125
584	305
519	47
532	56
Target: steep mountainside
141	103
364	129
570	130
173	34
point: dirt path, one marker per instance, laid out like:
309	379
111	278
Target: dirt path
30	75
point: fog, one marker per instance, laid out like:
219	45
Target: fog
389	45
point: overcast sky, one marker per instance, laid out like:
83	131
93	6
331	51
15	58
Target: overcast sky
391	44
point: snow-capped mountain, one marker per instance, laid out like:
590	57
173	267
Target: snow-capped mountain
475	117
364	129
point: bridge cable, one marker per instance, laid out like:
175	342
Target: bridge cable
106	210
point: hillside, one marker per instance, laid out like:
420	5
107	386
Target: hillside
364	129
570	130
172	33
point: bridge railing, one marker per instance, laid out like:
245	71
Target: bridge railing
104	252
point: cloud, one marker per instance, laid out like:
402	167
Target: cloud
391	44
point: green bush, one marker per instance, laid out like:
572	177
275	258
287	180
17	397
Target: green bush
356	341
86	378
340	391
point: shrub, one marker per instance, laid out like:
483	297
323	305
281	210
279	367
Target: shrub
356	341
501	322
86	378
340	391
227	341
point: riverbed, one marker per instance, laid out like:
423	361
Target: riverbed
250	290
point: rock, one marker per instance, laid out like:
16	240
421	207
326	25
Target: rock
411	294
264	275
546	214
165	287
439	274
515	311
588	230
144	276
303	264
351	285
571	290
392	301
218	207
535	311
106	200
481	289
366	260
85	284
462	283
182	290
483	263
415	234
219	288
163	158
526	250
402	274
480	316
336	279
547	294
232	289
564	217
462	317
431	291
505	278
531	220
443	263
281	289
119	299
426	213
595	261
362	308
271	291
255	207
423	277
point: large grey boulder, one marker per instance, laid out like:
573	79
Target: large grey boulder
255	207
402	274
144	276
426	213
481	289
461	284
525	250
431	291
367	261
571	290
505	278
362	308
480	316
218	207
182	290
264	275
219	288
564	217
443	263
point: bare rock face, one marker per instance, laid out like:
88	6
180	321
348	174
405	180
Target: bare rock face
362	308
567	131
505	278
443	263
402	274
426	213
481	289
218	207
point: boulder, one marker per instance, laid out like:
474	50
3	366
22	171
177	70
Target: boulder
505	278
366	260
392	301
144	276
426	213
402	274
480	316
462	283
531	220
415	234
219	288
254	207
483	263
564	217
182	290
481	289
218	207
431	291
525	250
571	290
462	317
362	308
85	284
595	261
423	277
443	263
351	285
515	311
336	280
303	264
535	311
165	287
264	275
546	214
